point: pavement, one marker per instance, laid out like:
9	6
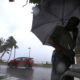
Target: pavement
30	74
5	77
35	73
2	76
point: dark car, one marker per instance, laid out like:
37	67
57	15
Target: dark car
21	62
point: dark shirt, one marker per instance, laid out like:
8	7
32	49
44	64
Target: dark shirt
63	38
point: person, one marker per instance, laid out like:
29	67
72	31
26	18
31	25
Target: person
63	39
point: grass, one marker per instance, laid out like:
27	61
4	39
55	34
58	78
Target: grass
43	65
3	63
37	65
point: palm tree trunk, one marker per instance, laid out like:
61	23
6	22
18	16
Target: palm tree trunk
14	52
2	55
10	55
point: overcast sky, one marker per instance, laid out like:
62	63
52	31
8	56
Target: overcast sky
16	21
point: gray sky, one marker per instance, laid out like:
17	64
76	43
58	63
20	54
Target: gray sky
16	21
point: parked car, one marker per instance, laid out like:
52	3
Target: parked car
21	62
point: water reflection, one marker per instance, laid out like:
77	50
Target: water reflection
22	74
3	69
37	73
42	73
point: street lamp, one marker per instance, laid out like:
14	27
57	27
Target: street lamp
29	50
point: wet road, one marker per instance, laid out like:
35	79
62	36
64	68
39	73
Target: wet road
36	73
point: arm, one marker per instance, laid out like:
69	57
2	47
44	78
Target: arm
66	52
75	34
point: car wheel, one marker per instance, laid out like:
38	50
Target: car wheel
27	66
11	65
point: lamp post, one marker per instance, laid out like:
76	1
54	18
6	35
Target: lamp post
29	50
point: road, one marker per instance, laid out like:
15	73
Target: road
36	73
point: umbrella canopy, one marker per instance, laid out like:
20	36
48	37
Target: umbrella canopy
58	12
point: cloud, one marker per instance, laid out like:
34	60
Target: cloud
16	21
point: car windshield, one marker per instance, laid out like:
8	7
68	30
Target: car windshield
24	59
18	59
31	60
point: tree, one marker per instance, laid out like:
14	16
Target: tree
3	47
15	47
1	44
11	42
4	50
31	1
36	1
7	46
11	0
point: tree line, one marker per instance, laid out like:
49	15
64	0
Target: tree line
6	46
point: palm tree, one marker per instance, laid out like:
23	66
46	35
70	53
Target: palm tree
4	50
7	46
11	42
3	47
15	47
1	44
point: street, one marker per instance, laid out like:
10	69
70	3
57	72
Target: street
36	73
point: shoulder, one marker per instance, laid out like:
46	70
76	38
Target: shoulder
58	27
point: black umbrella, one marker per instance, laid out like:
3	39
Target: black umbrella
52	13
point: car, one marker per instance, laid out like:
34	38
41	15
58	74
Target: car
21	62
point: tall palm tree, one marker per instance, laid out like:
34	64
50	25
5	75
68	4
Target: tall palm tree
4	50
1	44
11	42
15	47
7	46
3	47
